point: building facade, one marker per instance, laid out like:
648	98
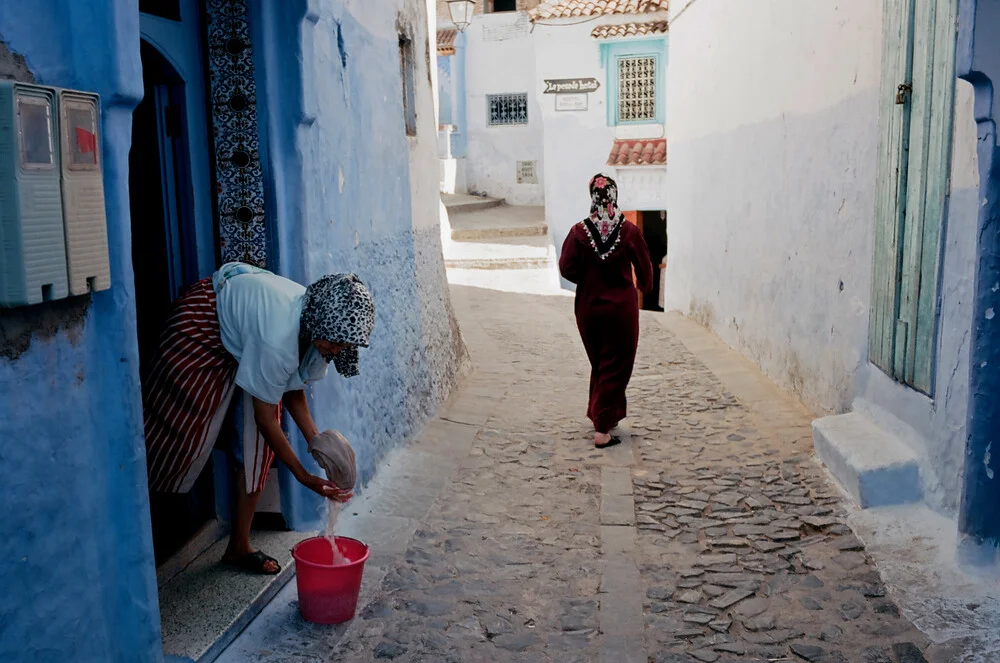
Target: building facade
293	135
490	107
602	70
832	211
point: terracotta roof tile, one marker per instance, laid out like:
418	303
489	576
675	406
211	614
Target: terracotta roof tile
446	41
642	152
629	30
571	8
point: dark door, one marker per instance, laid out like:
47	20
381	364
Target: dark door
654	230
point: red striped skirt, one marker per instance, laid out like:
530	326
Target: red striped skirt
187	395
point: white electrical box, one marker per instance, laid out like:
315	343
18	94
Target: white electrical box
32	239
85	220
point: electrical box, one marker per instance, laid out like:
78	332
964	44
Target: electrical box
32	238
85	220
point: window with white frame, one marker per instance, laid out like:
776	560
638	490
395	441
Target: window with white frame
636	88
507	109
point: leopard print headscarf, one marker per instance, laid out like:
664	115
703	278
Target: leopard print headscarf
339	308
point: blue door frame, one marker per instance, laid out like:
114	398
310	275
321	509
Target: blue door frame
181	43
186	174
979	519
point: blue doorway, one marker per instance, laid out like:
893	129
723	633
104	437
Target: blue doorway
173	237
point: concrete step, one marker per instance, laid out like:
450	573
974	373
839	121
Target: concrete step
472	234
874	466
204	608
519	224
534	252
500	263
460	204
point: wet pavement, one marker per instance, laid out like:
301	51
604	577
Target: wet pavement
502	535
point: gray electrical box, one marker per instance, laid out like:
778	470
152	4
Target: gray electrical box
32	236
83	193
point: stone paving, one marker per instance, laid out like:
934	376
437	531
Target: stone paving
710	536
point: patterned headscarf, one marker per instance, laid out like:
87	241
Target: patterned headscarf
338	308
603	226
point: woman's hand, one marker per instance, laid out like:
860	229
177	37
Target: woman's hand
326	489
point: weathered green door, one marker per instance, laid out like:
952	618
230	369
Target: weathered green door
916	108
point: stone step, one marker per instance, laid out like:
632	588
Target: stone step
461	204
500	263
874	466
472	234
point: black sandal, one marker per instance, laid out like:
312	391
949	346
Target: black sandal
253	563
610	443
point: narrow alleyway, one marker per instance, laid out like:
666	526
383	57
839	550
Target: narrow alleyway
502	535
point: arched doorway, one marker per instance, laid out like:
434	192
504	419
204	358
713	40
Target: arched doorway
164	258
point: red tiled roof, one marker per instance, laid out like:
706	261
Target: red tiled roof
446	41
629	30
642	152
571	8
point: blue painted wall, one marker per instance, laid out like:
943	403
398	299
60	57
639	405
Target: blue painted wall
979	521
338	168
75	546
445	89
76	558
460	140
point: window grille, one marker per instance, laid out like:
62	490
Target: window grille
636	89
507	109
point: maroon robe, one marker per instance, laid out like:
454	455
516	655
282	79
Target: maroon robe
607	314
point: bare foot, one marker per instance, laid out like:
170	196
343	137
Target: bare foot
601	439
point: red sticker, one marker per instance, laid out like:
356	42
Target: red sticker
86	141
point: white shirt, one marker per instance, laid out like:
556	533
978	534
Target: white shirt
259	314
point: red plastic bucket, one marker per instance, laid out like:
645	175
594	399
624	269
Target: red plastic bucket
328	593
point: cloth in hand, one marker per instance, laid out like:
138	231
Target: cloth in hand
336	456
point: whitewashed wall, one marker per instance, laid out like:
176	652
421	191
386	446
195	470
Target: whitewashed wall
772	128
577	143
500	60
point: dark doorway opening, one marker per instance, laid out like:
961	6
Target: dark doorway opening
653	225
164	261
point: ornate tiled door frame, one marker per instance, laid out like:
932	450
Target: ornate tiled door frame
239	177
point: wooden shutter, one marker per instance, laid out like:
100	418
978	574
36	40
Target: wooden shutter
913	169
934	61
894	120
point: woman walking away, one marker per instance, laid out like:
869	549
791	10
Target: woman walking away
598	256
246	327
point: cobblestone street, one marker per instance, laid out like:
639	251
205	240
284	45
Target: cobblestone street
501	534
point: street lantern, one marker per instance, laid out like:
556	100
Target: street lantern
461	13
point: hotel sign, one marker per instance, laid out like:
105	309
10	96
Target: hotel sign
571	85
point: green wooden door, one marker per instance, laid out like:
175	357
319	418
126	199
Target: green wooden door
916	107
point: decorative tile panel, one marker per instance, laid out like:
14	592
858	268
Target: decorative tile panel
233	93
